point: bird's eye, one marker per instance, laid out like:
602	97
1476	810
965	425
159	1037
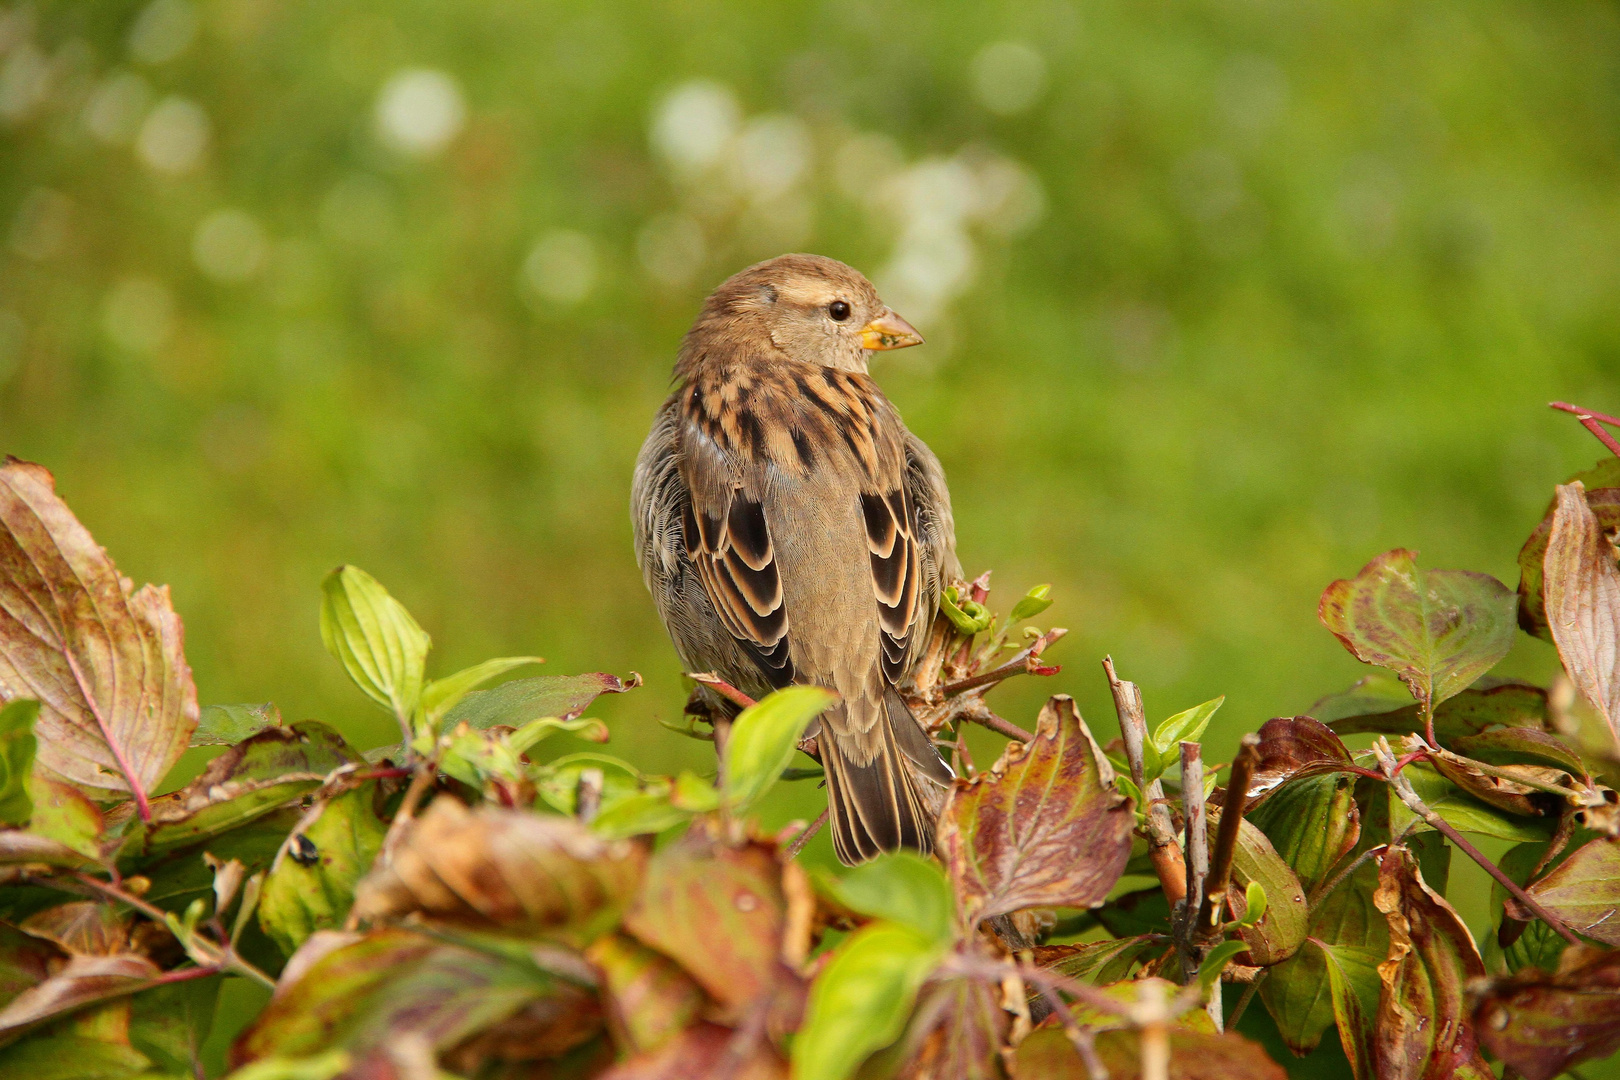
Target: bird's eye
838	310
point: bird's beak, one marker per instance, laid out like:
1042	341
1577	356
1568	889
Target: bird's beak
889	331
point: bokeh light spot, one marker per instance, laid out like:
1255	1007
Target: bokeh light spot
174	137
228	246
562	267
139	314
420	111
115	107
1008	77
694	125
162	31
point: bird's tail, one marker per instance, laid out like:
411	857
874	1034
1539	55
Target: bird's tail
892	800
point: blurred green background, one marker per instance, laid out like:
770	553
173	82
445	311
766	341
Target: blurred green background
1222	299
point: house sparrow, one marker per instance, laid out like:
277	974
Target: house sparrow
791	530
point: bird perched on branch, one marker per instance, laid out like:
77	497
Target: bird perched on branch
791	530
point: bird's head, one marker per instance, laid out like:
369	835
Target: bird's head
809	307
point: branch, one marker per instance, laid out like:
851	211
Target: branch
1162	846
1403	788
1593	422
721	687
1220	863
1022	663
804	836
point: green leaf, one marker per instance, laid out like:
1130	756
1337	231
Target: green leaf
558	781
1584	890
1281	930
1033	603
515	703
1313	822
968	616
1460	810
1254	904
536	731
1531	943
860	1001
1043	827
1438	630
227	725
1209	972
170	1024
271	769
692	792
903	888
764	738
1187	726
17	745
1099	962
64	814
64	1055
441	695
320	1067
302	896
718	910
375	639
81	981
645	813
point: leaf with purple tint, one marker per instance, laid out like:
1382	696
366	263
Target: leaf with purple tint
1043	827
1582	584
1542	1025
1438	630
1584	891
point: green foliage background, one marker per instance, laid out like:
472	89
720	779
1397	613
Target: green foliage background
1305	277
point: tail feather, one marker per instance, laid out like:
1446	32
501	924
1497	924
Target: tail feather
876	807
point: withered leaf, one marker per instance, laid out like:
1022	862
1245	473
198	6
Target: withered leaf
1542	1025
365	994
117	702
25	961
649	998
700	1052
502	869
1293	748
245	782
956	1032
735	895
1584	891
82	981
1438	630
1423	1028
82	928
1194	1055
1604	501
1582	584
1522	746
1043	827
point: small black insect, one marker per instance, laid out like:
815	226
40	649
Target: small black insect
303	850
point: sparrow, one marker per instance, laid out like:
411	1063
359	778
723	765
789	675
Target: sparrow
791	530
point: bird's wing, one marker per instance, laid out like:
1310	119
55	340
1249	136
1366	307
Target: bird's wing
729	542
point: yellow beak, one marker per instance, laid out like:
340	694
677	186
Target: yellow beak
889	331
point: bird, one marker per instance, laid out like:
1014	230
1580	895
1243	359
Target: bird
792	530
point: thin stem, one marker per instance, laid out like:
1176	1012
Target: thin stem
998	725
1593	422
1082	1039
721	687
1403	789
1244	999
804	836
1220	863
426	772
1196	834
1163	849
1323	891
1022	663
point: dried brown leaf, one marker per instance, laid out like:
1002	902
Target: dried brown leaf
117	703
82	928
1584	891
1292	748
1043	827
1543	1024
502	869
1582	586
649	998
83	981
702	1052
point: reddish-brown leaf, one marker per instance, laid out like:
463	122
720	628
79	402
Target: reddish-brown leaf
721	912
1438	630
1043	827
82	928
956	1032
505	869
702	1052
1543	1024
1605	504
84	980
1512	705
1295	747
117	703
649	998
1582	586
1423	1029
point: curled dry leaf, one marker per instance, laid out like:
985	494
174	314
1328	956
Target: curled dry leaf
1423	1026
504	869
1438	630
1604	502
1582	584
106	661
1542	1025
1293	748
1502	788
1043	827
82	928
82	981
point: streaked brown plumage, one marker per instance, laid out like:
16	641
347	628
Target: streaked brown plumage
791	529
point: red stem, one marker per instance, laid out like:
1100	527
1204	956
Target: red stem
1593	422
721	687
